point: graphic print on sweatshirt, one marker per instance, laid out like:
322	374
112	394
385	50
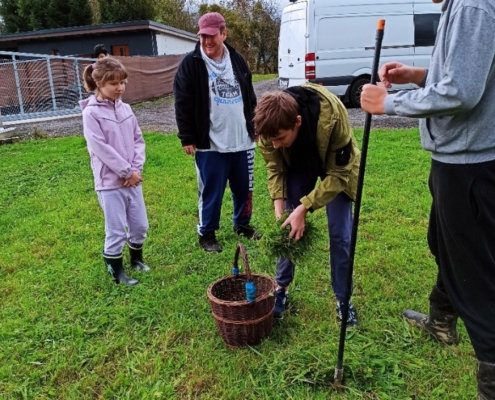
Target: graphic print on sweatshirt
224	92
228	131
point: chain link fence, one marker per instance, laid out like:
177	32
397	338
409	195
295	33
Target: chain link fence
38	86
41	86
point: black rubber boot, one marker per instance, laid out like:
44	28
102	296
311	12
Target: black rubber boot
439	324
115	268
136	252
486	380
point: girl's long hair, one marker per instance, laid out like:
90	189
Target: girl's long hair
102	71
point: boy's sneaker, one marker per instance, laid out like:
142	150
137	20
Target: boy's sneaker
209	243
247	231
351	313
280	303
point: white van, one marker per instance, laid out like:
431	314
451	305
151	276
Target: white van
332	42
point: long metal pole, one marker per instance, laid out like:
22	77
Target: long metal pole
339	370
18	85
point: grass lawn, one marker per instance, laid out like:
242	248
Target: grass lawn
263	77
68	332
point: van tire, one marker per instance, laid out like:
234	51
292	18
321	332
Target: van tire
355	91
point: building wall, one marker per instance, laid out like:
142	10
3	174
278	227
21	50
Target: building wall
140	44
168	45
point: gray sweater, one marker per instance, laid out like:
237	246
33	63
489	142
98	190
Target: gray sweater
457	105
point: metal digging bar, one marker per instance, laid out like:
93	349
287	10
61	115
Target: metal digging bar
339	370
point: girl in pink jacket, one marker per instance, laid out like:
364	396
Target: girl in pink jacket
116	148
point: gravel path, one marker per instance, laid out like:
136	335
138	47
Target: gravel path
158	116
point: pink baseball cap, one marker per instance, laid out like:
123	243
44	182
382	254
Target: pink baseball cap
210	23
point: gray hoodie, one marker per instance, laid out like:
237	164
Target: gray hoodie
457	104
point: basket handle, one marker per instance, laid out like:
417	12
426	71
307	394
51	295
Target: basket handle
241	249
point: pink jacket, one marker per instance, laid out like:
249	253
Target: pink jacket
115	142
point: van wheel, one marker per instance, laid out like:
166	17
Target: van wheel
355	92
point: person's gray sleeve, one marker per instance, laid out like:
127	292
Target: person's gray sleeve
470	60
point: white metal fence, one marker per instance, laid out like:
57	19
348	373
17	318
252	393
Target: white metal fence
37	85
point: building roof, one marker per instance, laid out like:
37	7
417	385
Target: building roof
98	29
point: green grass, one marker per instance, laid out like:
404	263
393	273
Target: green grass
67	332
263	77
158	101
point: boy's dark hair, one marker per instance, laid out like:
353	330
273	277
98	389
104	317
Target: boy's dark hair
275	110
99	49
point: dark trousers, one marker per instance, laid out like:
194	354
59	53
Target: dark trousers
339	218
461	236
214	170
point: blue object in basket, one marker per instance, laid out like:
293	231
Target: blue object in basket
250	291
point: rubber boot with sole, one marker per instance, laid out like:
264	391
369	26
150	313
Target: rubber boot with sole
136	253
115	268
440	325
486	380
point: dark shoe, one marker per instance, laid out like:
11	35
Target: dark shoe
352	319
281	296
136	253
115	268
247	231
438	324
486	380
209	243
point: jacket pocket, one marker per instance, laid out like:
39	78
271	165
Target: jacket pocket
343	155
428	128
97	167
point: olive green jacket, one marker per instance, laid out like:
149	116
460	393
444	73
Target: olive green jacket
333	134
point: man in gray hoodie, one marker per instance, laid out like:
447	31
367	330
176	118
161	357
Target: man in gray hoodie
456	106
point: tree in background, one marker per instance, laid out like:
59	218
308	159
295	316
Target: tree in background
95	11
35	11
63	13
180	14
265	27
126	10
13	21
34	15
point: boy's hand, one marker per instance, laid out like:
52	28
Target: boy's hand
134	180
278	205
296	220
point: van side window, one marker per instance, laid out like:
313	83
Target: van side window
425	29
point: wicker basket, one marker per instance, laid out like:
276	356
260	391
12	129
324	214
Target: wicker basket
240	322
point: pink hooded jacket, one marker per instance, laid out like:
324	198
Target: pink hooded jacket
115	142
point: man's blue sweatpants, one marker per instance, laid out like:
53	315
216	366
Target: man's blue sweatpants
214	170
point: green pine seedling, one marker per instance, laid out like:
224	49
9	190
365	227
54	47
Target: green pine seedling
277	243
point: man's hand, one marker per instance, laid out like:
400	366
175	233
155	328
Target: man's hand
395	72
373	99
134	180
278	205
296	220
189	150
